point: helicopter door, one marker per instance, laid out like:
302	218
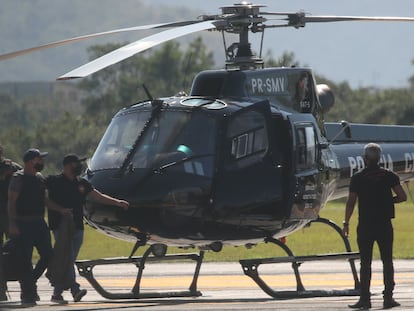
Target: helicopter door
248	185
308	184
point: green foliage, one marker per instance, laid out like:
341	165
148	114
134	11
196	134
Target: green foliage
411	79
164	72
67	133
287	59
26	110
79	134
390	106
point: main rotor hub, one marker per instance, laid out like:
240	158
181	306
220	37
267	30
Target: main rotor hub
244	9
241	18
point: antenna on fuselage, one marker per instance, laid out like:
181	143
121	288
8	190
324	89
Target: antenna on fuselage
156	103
147	92
345	128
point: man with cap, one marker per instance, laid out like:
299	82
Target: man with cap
27	198
70	191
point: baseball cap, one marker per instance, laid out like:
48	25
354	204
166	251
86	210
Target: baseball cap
71	158
32	153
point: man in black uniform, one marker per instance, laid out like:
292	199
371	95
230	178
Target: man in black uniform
70	191
7	168
373	188
26	206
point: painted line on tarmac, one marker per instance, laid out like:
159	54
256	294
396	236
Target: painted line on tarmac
344	280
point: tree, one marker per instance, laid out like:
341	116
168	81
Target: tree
411	80
287	59
165	72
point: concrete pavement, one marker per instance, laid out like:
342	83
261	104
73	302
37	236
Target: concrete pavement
225	287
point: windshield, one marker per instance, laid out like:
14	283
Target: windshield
171	136
118	140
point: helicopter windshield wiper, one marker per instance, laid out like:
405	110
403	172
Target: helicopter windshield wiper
192	157
171	164
156	109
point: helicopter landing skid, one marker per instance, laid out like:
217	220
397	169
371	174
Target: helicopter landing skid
85	268
250	268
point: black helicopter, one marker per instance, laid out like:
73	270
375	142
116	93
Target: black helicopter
246	157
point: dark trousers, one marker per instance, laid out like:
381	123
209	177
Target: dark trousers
17	266
76	241
383	234
35	233
3	237
3	231
3	284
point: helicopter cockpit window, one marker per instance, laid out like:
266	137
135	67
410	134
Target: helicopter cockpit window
180	140
248	136
118	140
306	147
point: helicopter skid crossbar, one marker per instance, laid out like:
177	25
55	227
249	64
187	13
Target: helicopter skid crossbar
85	268
250	268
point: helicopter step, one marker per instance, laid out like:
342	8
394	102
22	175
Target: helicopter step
250	268
85	268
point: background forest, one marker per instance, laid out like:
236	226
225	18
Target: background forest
56	124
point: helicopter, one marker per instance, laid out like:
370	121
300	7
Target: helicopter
244	158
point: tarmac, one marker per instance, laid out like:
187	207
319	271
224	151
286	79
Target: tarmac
224	287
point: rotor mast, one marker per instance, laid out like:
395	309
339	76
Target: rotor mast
240	19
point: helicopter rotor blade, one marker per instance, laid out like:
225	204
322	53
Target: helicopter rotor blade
237	19
90	36
134	48
322	19
299	19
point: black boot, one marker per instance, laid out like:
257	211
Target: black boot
3	281
390	303
361	305
3	296
3	290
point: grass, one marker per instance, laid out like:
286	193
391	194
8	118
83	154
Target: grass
316	239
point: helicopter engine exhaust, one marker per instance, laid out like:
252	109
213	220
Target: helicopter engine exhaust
326	97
